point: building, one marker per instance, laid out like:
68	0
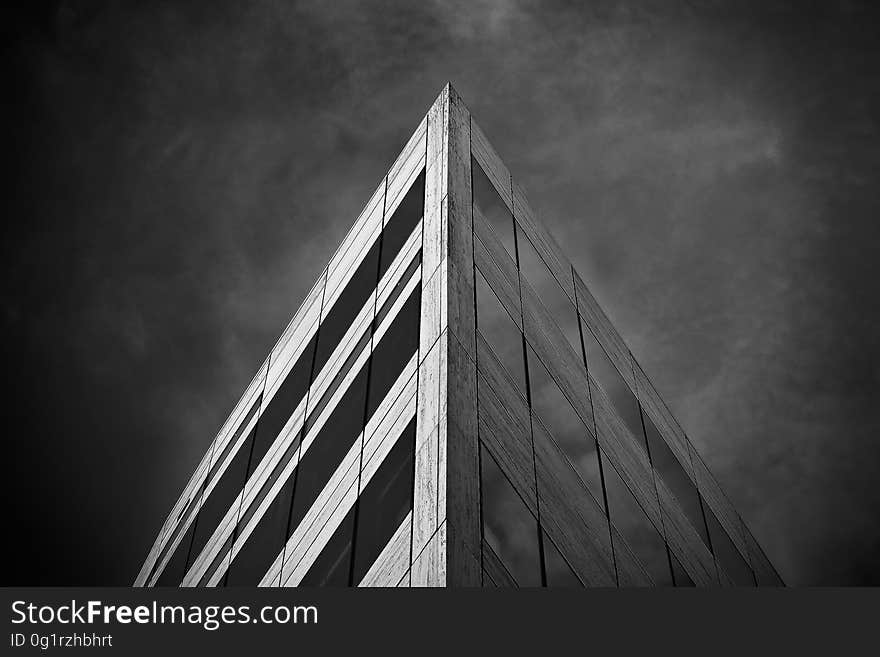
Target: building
450	407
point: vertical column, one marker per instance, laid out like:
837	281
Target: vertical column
462	446
428	558
446	529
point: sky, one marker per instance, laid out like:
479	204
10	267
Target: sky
181	173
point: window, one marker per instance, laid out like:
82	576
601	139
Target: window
495	573
315	409
176	567
219	501
267	539
219	460
333	565
183	544
553	409
547	288
401	224
679	575
385	502
264	543
727	556
346	421
636	528
394	350
398	289
559	573
673	475
500	331
278	411
508	526
606	375
328	448
336	321
493	207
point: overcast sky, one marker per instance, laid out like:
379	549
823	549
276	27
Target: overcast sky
182	172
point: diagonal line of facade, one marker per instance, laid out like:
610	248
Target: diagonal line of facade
450	407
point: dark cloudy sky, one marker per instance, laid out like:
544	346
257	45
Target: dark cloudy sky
181	172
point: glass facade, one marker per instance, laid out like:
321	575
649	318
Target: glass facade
501	332
557	418
509	528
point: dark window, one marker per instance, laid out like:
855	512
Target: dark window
339	318
394	350
404	332
680	576
333	565
559	573
176	567
218	503
553	409
385	502
536	273
500	331
327	450
398	289
402	223
265	542
673	475
267	539
218	460
283	404
493	207
177	530
726	554
636	528
508	526
606	375
495	573
317	407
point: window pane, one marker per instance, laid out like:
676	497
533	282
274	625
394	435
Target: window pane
220	459
182	545
402	223
636	528
545	285
333	565
216	505
606	375
316	408
385	502
508	526
338	319
495	573
267	539
500	331
398	288
283	404
726	554
682	579
558	416
673	475
493	207
264	544
559	573
394	350
176	567
326	452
